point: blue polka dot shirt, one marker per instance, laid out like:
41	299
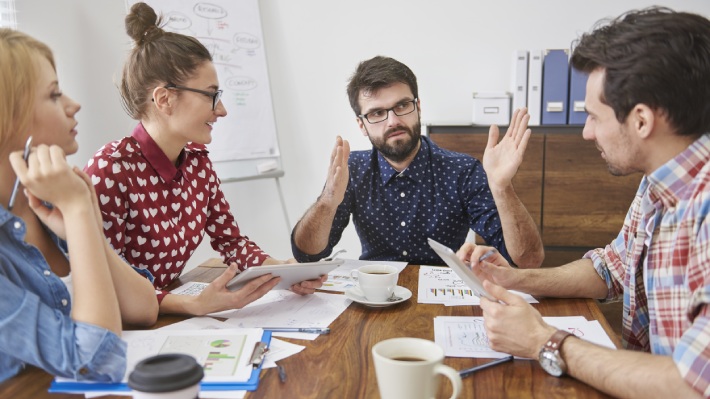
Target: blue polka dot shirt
440	195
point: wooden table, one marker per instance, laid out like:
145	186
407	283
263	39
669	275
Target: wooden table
339	365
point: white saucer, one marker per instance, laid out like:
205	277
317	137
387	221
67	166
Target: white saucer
356	295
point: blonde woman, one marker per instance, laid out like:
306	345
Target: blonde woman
58	312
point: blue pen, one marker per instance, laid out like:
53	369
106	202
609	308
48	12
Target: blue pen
487	255
467	372
301	330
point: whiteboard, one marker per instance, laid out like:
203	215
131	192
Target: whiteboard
244	143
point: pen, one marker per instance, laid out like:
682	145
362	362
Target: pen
487	255
282	373
16	187
302	330
467	372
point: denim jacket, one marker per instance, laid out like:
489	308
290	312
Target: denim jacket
35	323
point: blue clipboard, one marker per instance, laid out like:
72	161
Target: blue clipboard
119	387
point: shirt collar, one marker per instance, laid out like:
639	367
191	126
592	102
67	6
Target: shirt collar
156	157
669	182
414	171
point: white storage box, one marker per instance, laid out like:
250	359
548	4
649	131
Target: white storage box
491	108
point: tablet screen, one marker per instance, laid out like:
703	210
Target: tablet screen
461	270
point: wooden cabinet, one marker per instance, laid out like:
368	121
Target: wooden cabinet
563	182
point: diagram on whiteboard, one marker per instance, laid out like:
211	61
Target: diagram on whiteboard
231	31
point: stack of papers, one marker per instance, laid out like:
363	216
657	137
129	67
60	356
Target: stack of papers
442	285
466	336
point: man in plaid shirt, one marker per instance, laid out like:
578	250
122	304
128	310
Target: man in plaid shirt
648	99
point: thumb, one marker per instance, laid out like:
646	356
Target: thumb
502	294
228	274
493	134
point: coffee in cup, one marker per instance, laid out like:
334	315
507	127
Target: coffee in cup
376	282
408	368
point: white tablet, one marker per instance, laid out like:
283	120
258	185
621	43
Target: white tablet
461	270
290	273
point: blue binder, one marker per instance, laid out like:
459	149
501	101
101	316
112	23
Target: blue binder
121	388
577	90
555	85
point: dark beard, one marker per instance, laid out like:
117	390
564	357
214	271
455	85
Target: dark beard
400	151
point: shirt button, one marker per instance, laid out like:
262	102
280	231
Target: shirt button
404	253
64	302
47	273
401	195
18	225
403	224
83	371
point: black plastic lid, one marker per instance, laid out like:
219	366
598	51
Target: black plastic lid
165	373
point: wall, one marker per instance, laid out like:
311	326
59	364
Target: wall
454	47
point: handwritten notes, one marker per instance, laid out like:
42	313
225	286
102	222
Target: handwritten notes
466	336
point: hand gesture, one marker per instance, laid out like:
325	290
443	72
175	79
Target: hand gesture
309	286
501	160
338	174
513	326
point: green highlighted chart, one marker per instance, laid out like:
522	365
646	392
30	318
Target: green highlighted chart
218	355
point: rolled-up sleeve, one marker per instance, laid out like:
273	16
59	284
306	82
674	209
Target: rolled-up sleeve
33	332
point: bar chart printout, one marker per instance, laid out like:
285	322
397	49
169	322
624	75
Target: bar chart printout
218	356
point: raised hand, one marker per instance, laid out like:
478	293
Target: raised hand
338	174
501	160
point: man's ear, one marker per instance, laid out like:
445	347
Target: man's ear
163	100
643	120
361	125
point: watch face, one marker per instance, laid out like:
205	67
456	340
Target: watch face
550	363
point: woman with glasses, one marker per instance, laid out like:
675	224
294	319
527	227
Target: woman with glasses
64	292
157	189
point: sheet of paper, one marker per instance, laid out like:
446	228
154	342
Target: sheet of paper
340	280
441	285
283	308
279	350
466	336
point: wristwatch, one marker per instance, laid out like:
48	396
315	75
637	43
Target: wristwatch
550	358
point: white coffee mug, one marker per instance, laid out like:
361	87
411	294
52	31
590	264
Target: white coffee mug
408	368
376	282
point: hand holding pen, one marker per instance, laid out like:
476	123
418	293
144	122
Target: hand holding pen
16	187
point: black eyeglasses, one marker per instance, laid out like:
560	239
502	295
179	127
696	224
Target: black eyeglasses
214	95
381	115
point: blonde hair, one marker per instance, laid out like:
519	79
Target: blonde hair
18	81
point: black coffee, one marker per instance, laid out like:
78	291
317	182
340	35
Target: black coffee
408	359
378	272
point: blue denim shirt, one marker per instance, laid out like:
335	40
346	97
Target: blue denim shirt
35	323
440	195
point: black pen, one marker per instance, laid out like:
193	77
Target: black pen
466	372
16	187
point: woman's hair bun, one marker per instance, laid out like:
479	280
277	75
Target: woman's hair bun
142	23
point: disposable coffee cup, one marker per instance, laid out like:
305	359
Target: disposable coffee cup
376	282
167	376
409	368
